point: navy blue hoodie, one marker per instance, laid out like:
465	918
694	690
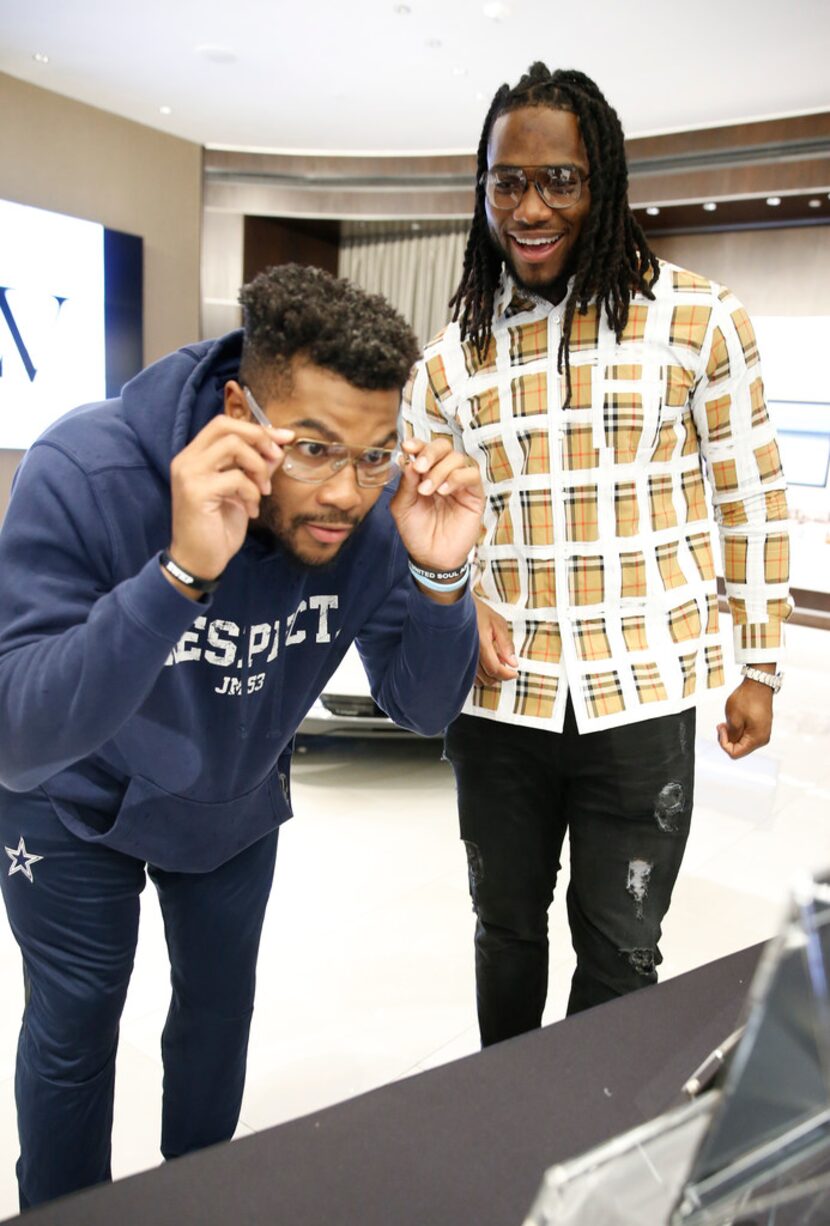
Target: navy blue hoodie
157	726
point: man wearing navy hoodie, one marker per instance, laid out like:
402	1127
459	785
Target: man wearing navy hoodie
181	576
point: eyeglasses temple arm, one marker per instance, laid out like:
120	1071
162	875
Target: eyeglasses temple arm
256	410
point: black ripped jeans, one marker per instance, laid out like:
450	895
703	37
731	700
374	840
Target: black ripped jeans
625	797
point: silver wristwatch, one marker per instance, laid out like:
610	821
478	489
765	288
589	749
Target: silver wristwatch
773	680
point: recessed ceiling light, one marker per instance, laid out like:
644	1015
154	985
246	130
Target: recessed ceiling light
216	55
459	71
773	201
40	58
481	96
814	204
166	110
710	206
653	211
496	10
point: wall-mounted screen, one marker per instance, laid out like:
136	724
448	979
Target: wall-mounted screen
70	317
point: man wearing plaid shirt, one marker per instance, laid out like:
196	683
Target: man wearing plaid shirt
593	383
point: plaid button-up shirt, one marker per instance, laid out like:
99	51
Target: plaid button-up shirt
596	541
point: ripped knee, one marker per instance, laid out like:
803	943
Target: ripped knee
642	961
669	807
637	883
475	865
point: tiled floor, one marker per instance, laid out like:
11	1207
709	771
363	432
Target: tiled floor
366	972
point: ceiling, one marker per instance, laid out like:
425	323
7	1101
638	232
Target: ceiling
381	76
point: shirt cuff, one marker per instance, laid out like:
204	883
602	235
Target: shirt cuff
759	643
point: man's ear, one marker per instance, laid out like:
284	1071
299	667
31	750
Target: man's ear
235	405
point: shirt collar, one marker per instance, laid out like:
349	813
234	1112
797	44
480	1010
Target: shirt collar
511	299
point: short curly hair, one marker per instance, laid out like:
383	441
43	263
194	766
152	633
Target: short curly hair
292	311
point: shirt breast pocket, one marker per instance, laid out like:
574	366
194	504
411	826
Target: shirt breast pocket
627	417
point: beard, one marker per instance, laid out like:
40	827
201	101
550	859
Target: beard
274	530
552	291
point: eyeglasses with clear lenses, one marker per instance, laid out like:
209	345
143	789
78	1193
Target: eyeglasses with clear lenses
313	461
558	186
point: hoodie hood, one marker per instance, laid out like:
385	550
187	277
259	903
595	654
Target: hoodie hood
193	380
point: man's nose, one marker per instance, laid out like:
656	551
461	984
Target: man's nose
341	490
532	209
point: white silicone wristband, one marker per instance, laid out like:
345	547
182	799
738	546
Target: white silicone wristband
441	587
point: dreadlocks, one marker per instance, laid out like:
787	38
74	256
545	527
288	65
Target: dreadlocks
614	259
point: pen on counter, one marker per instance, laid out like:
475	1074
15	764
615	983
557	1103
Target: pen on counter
705	1073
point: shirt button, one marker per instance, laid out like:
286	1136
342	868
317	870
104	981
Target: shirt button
555	319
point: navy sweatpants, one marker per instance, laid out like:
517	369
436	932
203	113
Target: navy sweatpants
73	908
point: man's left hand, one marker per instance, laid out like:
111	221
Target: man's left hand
748	719
438	504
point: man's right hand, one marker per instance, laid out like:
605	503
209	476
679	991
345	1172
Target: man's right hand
497	659
216	483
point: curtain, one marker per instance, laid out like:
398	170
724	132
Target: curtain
418	269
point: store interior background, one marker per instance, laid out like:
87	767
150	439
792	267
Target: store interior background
366	971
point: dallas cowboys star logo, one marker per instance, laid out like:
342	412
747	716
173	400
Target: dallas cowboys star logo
22	860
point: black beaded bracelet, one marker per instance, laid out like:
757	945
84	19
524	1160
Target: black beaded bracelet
438	574
184	576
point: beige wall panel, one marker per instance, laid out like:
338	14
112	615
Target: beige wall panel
59	154
773	272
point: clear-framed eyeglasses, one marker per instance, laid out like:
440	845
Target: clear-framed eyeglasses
558	186
314	461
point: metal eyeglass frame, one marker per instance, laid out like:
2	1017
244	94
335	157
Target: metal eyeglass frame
335	464
486	183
